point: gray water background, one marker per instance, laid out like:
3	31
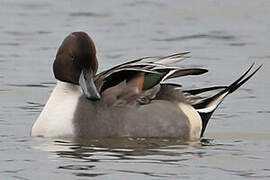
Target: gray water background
225	37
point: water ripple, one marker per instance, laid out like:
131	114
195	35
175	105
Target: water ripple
164	175
41	85
76	167
89	14
238	44
145	3
32	107
9	44
89	174
211	36
35	5
263	112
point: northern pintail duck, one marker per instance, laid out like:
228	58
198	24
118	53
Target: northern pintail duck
128	100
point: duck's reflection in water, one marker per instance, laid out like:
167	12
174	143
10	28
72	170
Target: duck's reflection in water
94	157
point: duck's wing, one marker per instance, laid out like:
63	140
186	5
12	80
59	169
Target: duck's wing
145	63
146	72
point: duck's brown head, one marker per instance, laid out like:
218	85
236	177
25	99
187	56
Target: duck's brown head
76	63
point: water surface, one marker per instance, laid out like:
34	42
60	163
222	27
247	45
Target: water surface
224	37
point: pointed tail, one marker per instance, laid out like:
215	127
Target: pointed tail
207	106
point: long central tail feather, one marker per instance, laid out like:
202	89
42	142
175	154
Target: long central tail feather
207	106
202	90
216	99
233	87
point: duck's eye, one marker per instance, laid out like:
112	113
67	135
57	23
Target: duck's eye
72	58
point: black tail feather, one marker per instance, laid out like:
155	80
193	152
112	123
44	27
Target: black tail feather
228	89
234	86
206	107
202	90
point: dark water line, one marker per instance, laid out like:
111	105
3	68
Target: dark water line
200	36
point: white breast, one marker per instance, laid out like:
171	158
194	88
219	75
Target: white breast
55	119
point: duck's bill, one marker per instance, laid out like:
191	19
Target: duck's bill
88	86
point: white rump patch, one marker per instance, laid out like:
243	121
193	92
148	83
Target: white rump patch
194	120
